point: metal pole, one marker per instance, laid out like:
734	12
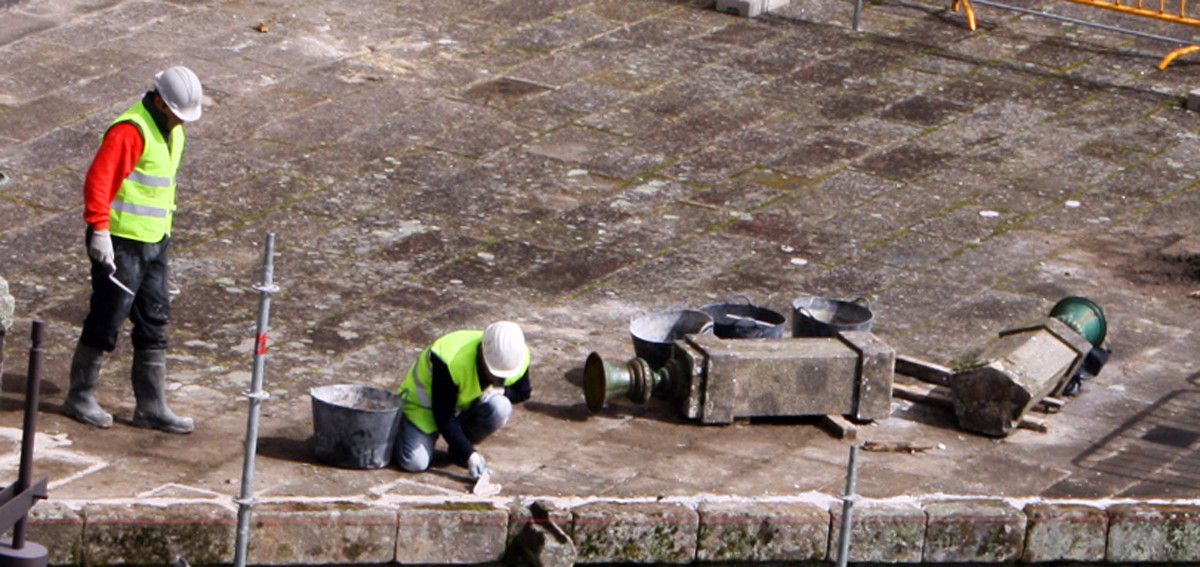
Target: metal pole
256	395
848	500
858	6
32	393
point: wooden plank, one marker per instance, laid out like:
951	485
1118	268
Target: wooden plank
923	370
839	427
922	394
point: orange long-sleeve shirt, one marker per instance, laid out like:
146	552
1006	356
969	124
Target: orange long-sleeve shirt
118	154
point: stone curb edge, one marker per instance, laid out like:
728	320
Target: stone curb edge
457	530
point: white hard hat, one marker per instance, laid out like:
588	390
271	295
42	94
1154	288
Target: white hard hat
180	89
504	349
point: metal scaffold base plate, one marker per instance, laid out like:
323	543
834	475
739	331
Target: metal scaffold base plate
30	555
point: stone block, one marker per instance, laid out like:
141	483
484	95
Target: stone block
521	513
451	533
320	533
143	534
1064	532
1186	249
546	545
981	531
1017	371
877	364
7	306
880	533
1193	101
749	8
540	534
805	376
1150	532
59	529
762	532
635	533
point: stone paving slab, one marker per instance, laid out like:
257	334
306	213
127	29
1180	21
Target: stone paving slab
569	164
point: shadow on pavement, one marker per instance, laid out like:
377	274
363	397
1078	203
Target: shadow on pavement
1160	445
576	412
287	449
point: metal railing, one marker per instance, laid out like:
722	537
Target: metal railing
1173	11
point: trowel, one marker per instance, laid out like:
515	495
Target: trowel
484	486
112	276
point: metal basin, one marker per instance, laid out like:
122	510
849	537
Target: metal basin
654	334
745	321
824	317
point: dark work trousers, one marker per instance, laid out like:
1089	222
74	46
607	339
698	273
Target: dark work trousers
142	267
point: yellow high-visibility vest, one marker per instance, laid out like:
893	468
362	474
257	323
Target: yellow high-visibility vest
145	203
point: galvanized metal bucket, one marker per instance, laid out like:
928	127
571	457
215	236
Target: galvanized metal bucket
745	321
824	317
355	426
654	334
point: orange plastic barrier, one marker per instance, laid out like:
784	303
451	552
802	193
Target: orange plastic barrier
1174	11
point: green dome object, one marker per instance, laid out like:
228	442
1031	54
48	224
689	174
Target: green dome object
1084	316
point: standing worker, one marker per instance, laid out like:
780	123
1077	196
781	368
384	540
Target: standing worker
129	202
463	387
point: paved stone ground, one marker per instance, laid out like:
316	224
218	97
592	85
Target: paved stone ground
429	166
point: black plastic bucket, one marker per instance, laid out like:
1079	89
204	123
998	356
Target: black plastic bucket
654	334
823	317
354	426
745	321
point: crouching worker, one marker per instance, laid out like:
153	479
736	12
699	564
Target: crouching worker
462	387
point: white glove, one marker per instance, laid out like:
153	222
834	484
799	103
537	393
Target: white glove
476	465
489	393
100	248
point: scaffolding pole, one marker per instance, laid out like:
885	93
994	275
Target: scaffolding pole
256	396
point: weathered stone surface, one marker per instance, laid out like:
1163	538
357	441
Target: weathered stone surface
985	531
315	533
59	529
451	533
880	533
635	533
1064	532
142	534
1148	532
750	531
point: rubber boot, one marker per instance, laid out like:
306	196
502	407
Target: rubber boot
81	402
149	387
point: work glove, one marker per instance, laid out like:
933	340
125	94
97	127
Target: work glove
489	393
476	465
100	248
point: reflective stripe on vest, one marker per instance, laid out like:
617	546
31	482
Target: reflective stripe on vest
143	210
149	180
144	205
459	351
